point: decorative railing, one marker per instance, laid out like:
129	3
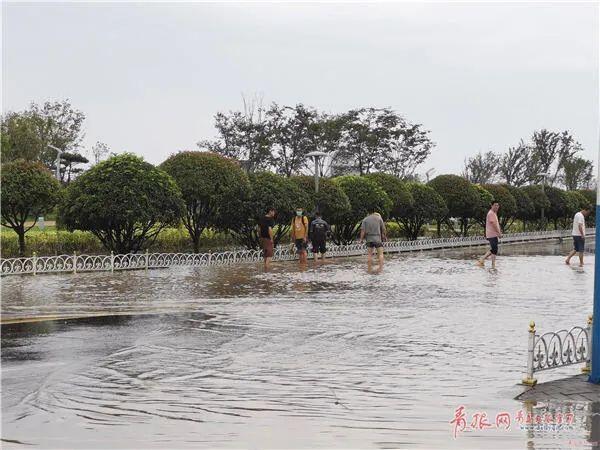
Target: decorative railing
88	263
558	349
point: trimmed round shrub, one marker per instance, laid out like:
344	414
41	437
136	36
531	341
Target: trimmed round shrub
124	201
28	191
212	187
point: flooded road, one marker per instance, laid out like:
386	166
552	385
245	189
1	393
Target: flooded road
330	356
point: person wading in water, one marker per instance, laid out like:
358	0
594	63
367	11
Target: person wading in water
265	234
299	234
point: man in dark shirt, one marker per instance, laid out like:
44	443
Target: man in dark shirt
318	232
265	234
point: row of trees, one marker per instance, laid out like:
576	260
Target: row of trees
361	141
278	138
557	155
126	201
274	138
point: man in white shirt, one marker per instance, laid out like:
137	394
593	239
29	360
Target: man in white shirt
578	234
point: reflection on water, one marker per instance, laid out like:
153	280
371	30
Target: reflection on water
326	356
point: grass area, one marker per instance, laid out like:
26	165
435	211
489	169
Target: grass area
51	241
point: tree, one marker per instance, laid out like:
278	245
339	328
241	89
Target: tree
481	209
549	152
332	201
524	203
60	124
575	201
293	132
482	168
267	190
508	204
590	196
68	162
396	190
212	187
427	205
577	173
461	199
124	201
539	202
514	165
20	139
28	190
366	141
28	133
559	207
364	195
243	135
409	147
99	151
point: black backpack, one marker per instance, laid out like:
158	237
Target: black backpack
319	232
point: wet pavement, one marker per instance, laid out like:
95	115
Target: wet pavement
330	356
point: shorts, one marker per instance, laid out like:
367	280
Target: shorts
267	246
300	244
319	246
578	244
377	244
493	245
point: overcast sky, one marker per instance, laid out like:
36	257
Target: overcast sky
150	77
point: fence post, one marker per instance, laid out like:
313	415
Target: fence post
34	263
588	359
74	262
146	260
209	258
529	380
112	261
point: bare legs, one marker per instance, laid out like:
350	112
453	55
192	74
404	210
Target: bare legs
481	262
379	257
571	254
302	256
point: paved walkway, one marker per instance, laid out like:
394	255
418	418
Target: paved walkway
573	390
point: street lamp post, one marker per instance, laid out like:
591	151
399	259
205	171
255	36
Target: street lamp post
318	160
429	173
57	161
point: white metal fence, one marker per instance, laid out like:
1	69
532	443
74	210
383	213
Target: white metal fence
90	263
556	349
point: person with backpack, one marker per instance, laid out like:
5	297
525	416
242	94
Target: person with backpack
299	234
318	232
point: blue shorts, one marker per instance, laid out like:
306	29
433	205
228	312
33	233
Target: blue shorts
375	244
493	245
578	244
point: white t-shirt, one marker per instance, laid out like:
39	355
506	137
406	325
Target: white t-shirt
578	219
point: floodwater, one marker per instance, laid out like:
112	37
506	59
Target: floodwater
329	356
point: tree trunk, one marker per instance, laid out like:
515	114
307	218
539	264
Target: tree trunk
21	234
